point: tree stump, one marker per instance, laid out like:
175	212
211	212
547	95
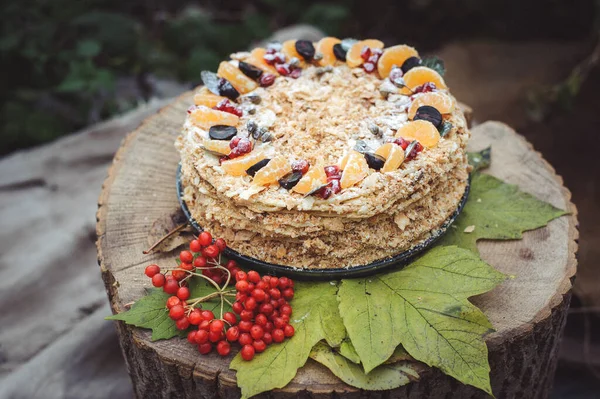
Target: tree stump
528	311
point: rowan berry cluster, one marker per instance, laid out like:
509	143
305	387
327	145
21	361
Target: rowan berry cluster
261	303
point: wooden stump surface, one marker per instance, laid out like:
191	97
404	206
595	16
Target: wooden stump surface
528	311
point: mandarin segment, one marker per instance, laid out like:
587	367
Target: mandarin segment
438	100
205	117
257	59
353	58
315	177
395	55
272	172
325	47
237	166
422	131
241	82
219	146
355	170
393	154
206	98
419	76
288	48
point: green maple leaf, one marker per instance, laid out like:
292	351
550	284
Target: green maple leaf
151	312
424	307
387	376
481	159
315	318
496	210
199	288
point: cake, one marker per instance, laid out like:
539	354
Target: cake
324	155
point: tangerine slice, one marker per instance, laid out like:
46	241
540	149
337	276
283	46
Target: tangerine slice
237	166
353	57
241	82
206	98
356	169
257	59
421	75
205	117
325	47
423	131
220	146
344	160
273	171
315	177
440	101
288	48
393	154
395	55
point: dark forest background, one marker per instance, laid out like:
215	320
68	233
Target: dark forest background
66	63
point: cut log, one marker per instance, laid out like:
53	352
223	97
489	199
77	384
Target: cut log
528	311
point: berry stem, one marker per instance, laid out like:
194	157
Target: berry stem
169	234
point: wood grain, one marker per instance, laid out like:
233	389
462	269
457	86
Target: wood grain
528	311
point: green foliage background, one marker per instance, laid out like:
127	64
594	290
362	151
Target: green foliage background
61	60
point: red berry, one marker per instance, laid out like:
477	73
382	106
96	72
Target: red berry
269	326
415	151
266	278
335	186
207	315
250	303
251	287
245	339
256	332
200	261
212	251
241	286
259	345
332	170
232	334
227	106
245	325
231	266
195	246
182	323
220	243
176	312
266	309
216	326
191	337
401	142
237	307
253	276
258	295
267	338
183	293
215	336
286	310
285	318
246	315
266	79
205	348
425	88
230	318
195	317
223	348
247	352
217	278
283	69
288	331
275	293
279	322
369	67
260	319
275	304
186	257
365	53
262	285
158	280
241	297
201	336
244	146
288	294
301	165
296	73
186	266
273	282
205	238
278	335
241	276
204	325
171	287
172	301
152	270
178	274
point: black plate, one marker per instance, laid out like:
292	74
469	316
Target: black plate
396	261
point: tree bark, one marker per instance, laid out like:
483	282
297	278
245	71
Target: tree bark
528	311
